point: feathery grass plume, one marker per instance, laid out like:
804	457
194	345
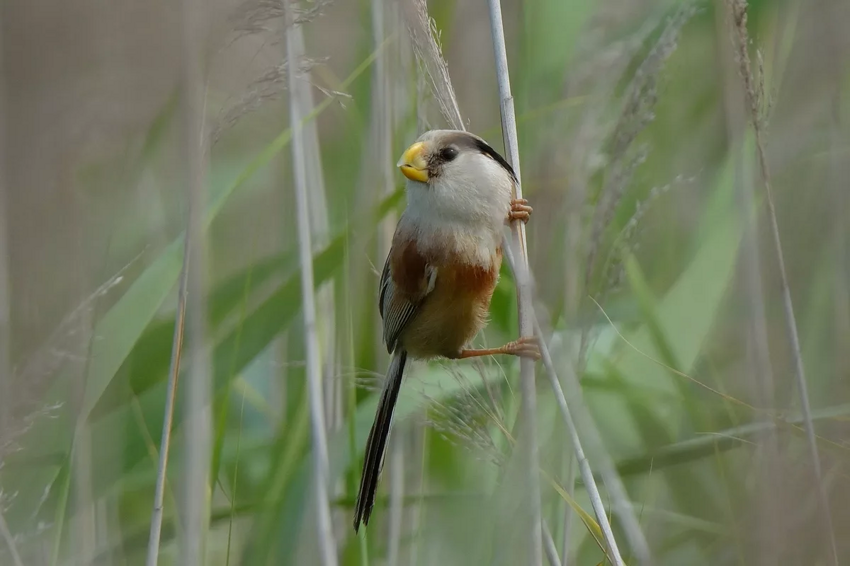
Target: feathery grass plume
597	70
768	465
636	114
263	16
627	240
754	95
299	109
425	39
466	420
67	344
266	88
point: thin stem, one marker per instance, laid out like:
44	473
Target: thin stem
583	464
753	95
168	418
549	547
320	233
396	497
297	113
5	312
382	184
524	298
568	512
758	351
615	487
198	431
10	540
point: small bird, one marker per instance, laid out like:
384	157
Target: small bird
441	269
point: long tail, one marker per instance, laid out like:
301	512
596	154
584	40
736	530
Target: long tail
377	443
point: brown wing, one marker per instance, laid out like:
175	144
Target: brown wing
406	280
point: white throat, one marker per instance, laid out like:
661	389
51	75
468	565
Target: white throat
465	208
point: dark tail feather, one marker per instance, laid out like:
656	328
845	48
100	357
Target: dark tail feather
377	443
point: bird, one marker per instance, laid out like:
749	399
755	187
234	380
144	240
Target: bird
441	269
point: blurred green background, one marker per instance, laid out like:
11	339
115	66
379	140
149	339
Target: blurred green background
640	161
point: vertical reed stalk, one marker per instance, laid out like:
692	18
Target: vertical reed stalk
382	138
523	282
436	71
319	228
198	430
396	497
583	464
298	111
5	314
549	548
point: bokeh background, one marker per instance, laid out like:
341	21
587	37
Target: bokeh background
640	159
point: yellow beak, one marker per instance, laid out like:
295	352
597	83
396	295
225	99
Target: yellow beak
413	164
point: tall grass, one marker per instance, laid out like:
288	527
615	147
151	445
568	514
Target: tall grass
658	287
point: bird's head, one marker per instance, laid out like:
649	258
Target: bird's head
457	175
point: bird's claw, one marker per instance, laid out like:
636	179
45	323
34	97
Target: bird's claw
525	347
519	210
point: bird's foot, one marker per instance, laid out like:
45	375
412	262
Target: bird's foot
520	210
525	347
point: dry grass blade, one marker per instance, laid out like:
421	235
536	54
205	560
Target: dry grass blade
298	111
753	93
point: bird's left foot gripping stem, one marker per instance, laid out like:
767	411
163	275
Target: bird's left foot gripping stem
520	210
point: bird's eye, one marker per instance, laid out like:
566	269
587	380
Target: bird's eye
448	153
